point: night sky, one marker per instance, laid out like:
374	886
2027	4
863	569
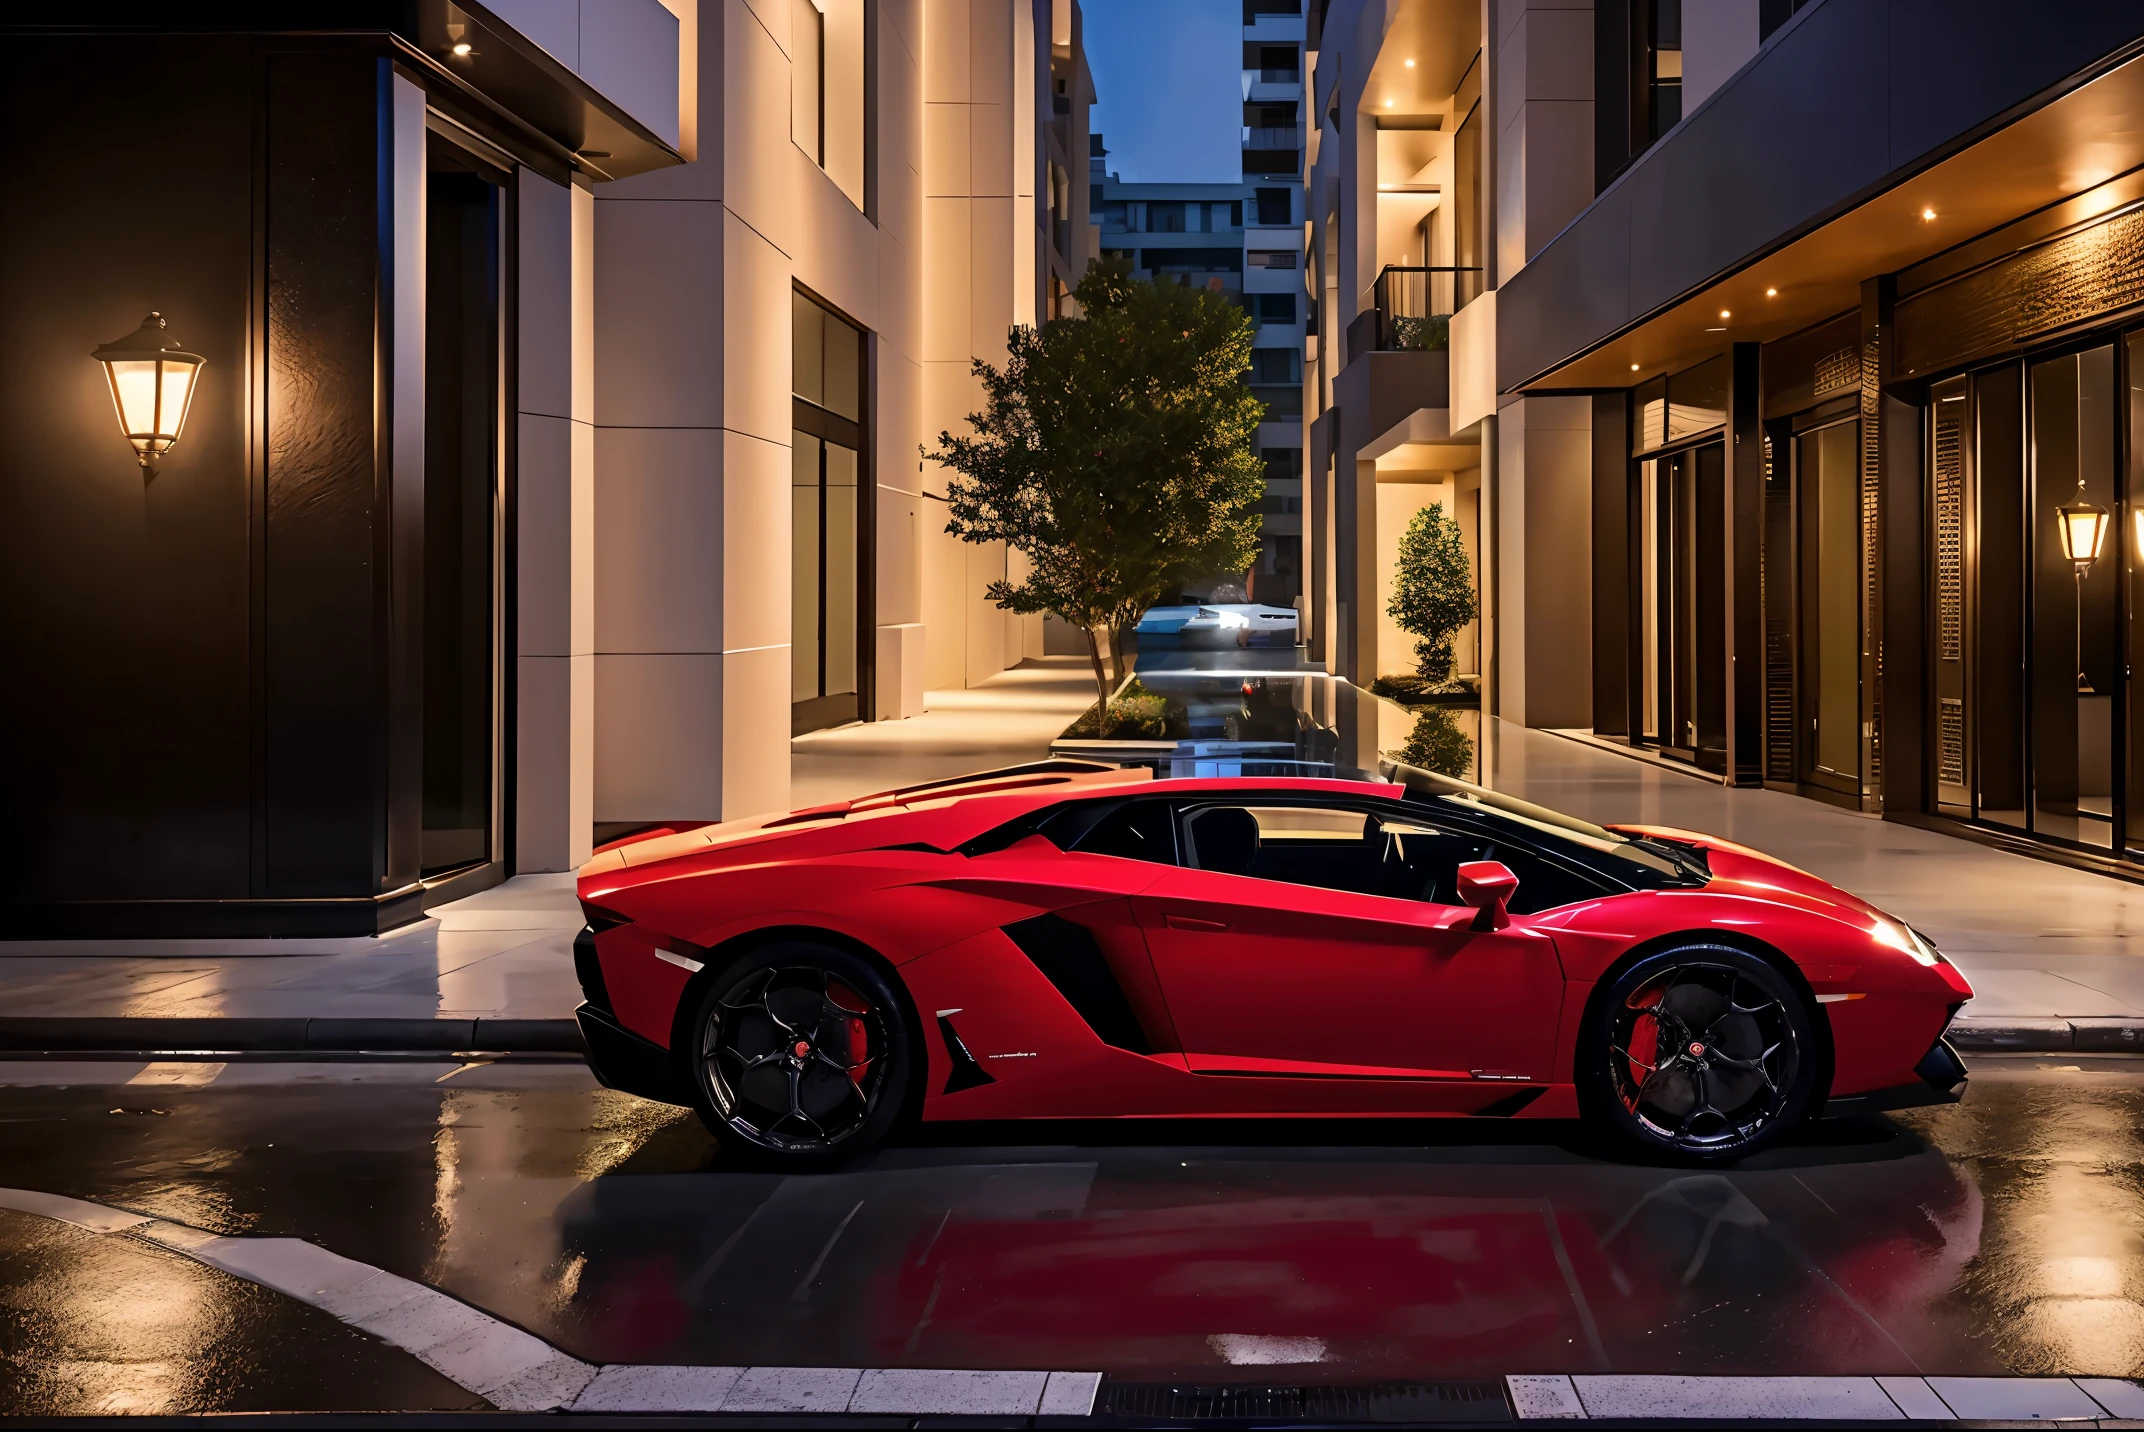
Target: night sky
1170	77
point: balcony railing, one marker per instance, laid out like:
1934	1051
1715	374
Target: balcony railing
1414	306
1272	137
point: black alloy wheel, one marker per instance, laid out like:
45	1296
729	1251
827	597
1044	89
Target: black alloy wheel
1704	1052
802	1055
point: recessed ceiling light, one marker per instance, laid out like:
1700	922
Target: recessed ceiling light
1633	367
462	49
1410	64
1725	314
1927	214
1771	293
1388	104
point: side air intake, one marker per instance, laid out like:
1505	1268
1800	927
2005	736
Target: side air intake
1069	959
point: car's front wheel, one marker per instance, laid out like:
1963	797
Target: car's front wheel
802	1055
1704	1051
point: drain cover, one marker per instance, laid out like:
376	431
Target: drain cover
1455	1402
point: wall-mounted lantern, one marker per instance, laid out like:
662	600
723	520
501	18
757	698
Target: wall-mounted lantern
2083	527
152	387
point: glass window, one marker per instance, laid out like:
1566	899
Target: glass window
1395	853
827	89
1136	830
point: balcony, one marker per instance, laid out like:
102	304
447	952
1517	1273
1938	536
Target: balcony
1282	136
1412	309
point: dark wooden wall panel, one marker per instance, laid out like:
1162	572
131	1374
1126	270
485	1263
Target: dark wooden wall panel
322	642
124	644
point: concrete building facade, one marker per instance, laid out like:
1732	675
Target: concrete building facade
598	475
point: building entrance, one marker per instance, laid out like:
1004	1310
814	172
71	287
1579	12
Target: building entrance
1828	496
1681	631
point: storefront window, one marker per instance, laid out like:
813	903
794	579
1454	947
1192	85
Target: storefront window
2031	683
2075	660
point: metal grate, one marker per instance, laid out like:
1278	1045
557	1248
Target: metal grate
1774	589
1377	1402
1871	553
1838	372
1950	531
1950	741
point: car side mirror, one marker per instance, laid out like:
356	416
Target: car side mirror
1487	885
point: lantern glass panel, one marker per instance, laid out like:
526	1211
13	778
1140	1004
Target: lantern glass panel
134	388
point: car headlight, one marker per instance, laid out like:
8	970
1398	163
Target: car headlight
1905	938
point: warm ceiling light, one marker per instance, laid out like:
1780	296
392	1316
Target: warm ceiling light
1725	314
1771	293
2140	528
152	387
1410	64
1388	104
461	51
1927	214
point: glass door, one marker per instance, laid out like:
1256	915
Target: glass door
1828	492
1681	623
2076	667
461	508
829	515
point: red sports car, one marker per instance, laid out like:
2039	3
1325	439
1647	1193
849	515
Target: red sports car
1066	940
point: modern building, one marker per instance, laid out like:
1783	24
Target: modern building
1243	240
555	455
1797	369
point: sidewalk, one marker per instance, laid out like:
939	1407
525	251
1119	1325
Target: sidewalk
2038	940
503	955
2044	945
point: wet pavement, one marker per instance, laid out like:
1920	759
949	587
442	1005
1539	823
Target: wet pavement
1998	1236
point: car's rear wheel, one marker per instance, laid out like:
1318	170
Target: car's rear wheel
1704	1051
802	1055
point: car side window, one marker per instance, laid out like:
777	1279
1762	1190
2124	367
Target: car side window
1394	853
1136	830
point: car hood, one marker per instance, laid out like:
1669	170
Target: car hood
1760	874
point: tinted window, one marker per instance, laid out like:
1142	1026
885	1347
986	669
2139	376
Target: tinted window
1136	830
1393	853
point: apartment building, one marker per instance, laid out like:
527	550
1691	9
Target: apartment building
1243	240
532	443
1791	338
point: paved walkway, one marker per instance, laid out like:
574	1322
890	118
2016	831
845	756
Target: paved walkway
2036	939
1008	719
507	953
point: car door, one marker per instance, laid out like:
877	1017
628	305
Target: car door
1308	939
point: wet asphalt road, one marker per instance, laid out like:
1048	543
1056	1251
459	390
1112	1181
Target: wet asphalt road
2002	1235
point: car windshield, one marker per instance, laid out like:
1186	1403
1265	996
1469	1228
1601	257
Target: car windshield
1645	862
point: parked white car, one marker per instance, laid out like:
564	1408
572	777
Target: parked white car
1244	623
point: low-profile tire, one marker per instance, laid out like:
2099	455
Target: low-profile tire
1702	1051
802	1056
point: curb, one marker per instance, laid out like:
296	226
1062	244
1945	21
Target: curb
101	1034
1997	1034
1987	1034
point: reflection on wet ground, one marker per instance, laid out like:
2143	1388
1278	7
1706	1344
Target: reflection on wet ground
1997	1236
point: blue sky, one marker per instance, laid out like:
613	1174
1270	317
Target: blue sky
1170	77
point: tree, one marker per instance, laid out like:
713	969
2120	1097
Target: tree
1115	451
1433	590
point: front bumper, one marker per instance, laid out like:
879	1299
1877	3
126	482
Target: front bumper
622	1060
1941	1080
